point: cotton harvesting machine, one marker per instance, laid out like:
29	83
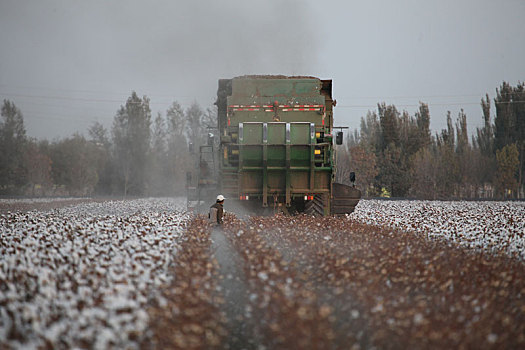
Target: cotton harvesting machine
273	149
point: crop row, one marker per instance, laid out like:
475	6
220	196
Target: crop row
485	226
84	275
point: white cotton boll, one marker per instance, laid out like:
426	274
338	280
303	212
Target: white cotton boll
263	276
492	338
118	321
48	291
474	225
54	331
5	325
142	320
87	334
120	303
141	300
94	261
104	338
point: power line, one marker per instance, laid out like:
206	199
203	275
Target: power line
482	95
429	104
68	98
62	117
122	93
109	110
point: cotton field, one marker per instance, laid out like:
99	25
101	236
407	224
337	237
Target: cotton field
490	226
147	274
83	275
38	200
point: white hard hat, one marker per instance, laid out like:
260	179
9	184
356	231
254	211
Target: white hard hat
220	198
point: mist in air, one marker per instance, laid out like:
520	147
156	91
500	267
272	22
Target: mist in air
67	65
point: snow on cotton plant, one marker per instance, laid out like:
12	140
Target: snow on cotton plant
489	226
83	275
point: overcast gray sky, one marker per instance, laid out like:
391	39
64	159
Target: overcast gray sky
69	63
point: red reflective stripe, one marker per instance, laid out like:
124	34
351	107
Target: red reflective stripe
245	106
280	106
304	109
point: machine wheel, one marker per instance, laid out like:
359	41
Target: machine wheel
315	207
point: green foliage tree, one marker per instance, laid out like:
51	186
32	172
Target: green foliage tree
75	163
13	174
484	153
448	172
392	151
370	135
364	163
179	159
484	139
505	122
462	144
401	137
509	124
131	138
392	173
464	185
389	121
199	123
424	174
508	161
423	162
38	165
159	177
423	137
98	136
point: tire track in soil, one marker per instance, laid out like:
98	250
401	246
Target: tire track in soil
412	292
232	282
286	312
327	283
190	317
350	331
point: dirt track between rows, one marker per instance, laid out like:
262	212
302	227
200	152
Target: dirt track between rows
327	283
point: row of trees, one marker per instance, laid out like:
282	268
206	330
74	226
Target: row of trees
140	155
395	154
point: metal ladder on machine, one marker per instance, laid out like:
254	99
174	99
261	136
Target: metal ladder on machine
230	177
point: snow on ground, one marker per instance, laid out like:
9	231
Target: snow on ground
82	276
491	226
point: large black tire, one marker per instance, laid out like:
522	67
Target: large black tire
315	207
